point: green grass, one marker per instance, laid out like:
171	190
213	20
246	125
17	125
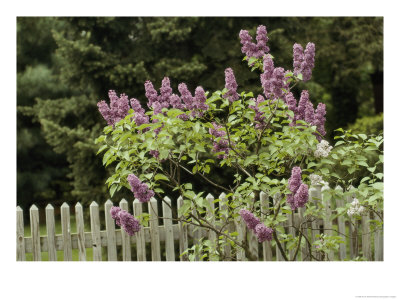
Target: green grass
60	254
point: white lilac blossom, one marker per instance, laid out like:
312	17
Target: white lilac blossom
315	179
356	209
323	149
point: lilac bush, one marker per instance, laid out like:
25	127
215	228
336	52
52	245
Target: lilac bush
270	142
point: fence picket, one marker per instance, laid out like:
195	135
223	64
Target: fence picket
51	233
304	254
315	196
341	226
126	240
95	228
169	233
35	233
183	232
224	210
196	232
154	230
279	256
211	217
110	229
252	238
66	231
140	239
20	235
353	230
366	237
327	221
267	250
80	229
378	242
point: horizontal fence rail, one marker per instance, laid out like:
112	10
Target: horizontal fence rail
167	241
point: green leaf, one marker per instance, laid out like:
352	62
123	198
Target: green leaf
113	189
362	163
184	208
161	177
363	136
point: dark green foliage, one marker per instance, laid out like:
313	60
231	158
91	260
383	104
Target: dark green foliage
368	125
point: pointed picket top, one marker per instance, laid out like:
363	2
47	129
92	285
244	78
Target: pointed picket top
263	194
65	205
34	207
167	199
123	201
338	187
222	196
49	207
109	202
180	198
136	201
19	208
94	204
78	205
209	197
152	199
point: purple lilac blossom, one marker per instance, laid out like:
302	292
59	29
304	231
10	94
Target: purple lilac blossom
263	233
128	222
273	79
305	111
140	116
222	145
231	86
248	47
186	96
165	92
262	40
200	102
251	220
140	189
115	214
298	57
251	49
319	120
155	153
151	93
295	180
117	110
259	118
303	62
299	196
216	130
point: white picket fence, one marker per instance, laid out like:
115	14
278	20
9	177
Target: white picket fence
160	239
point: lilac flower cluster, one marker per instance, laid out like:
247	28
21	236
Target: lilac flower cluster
299	196
125	220
259	117
117	110
273	79
139	189
140	117
303	62
231	86
222	145
305	111
254	50
262	232
196	105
